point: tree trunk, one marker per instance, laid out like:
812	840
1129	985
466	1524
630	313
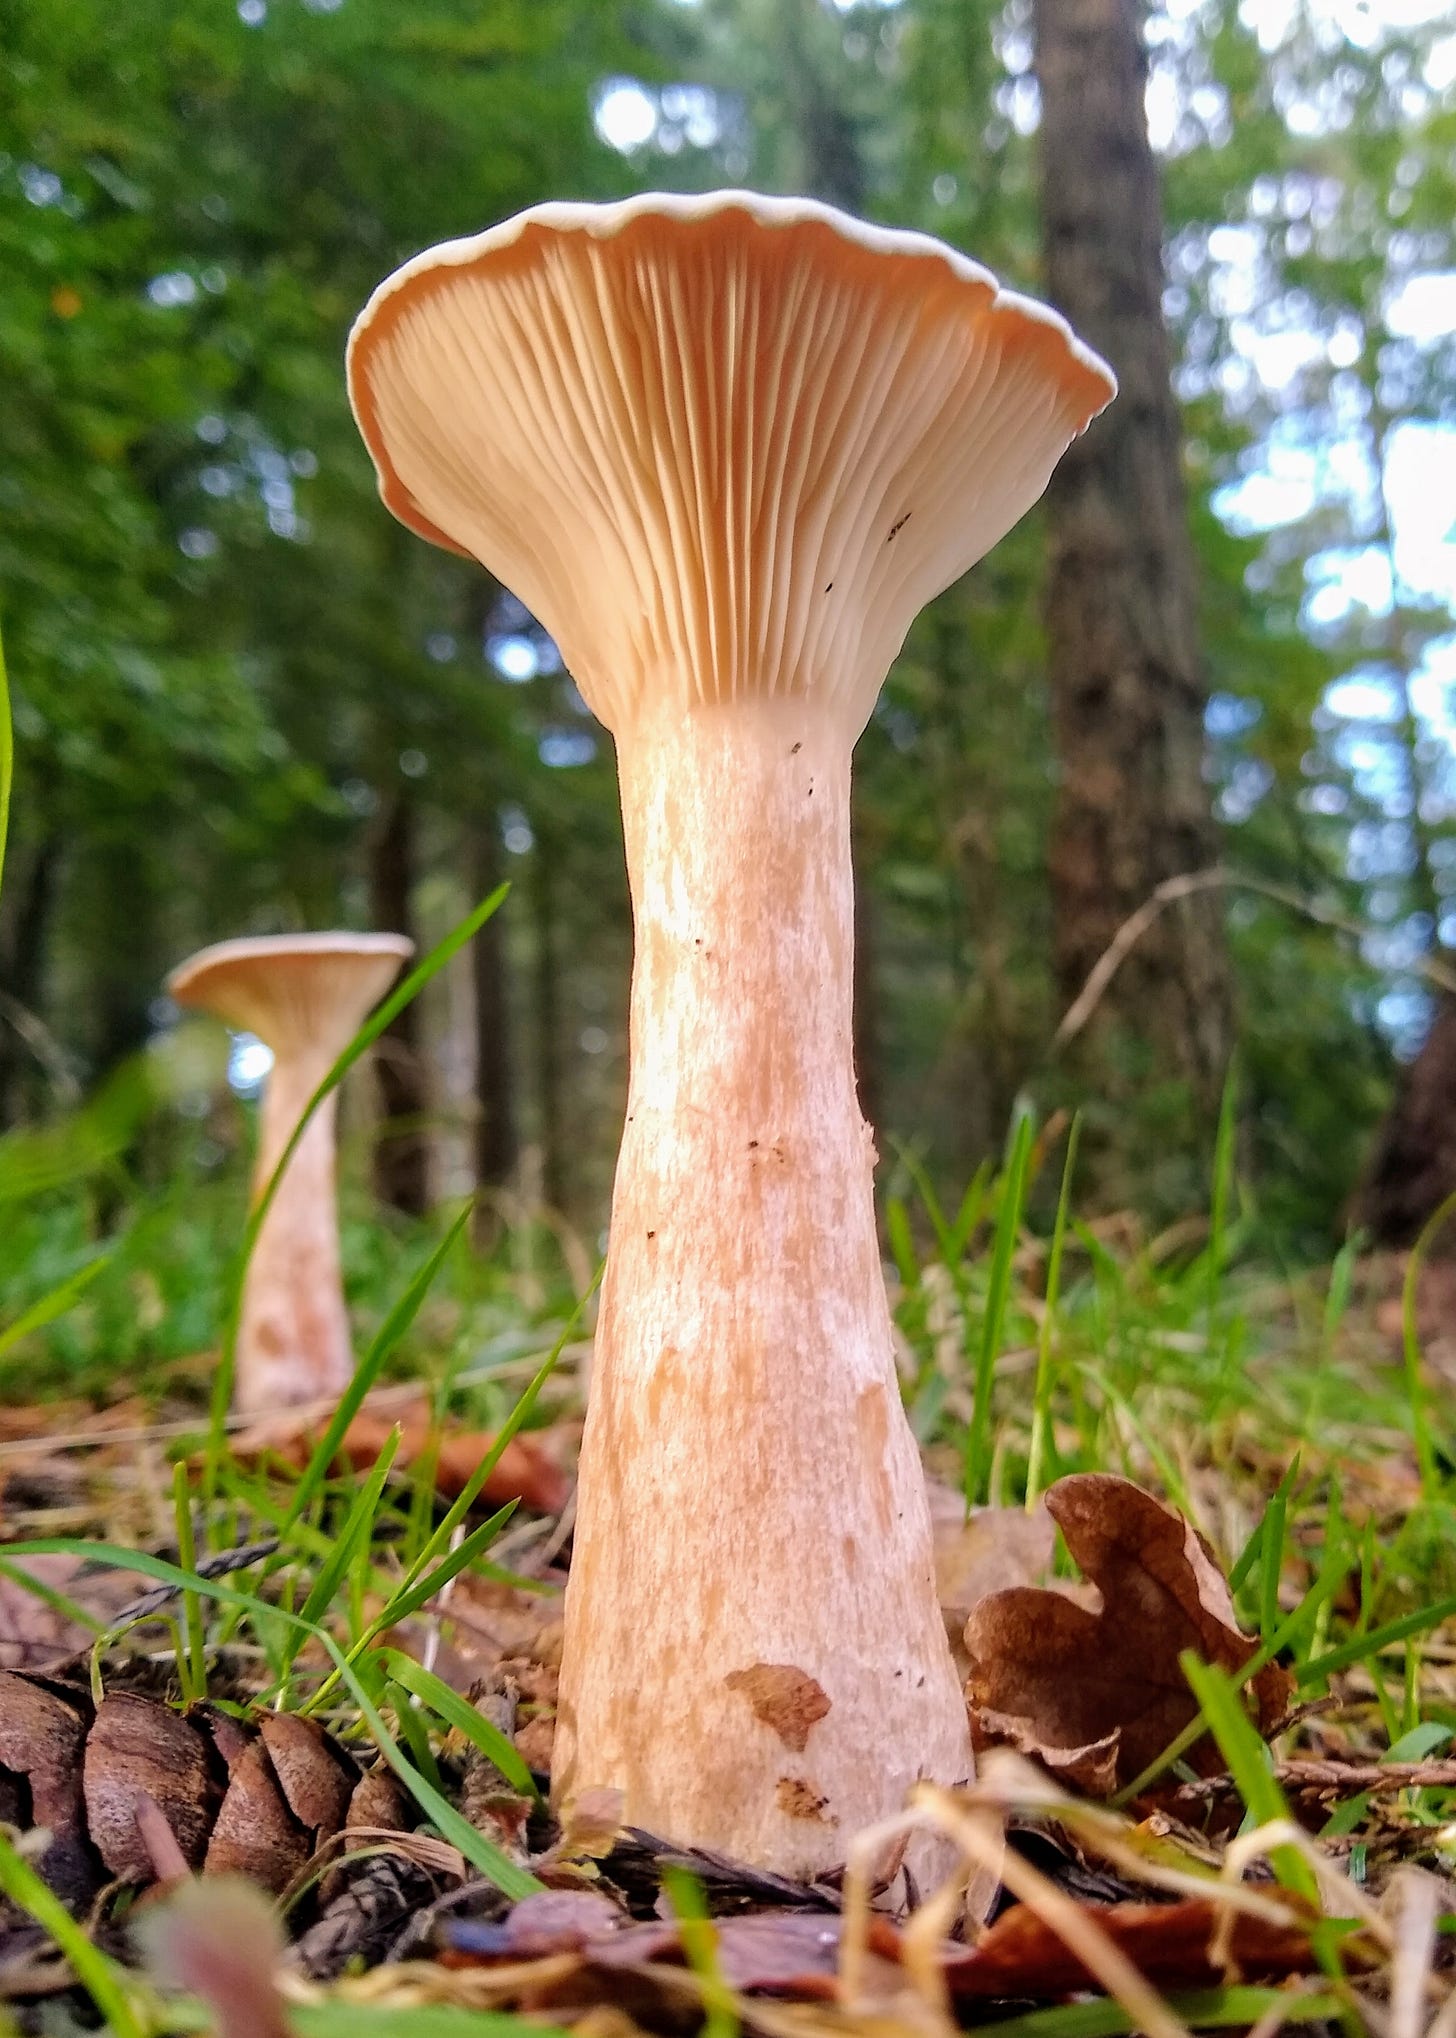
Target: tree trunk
547	1021
126	961
1413	1164
1127	685
402	1154
496	1144
21	969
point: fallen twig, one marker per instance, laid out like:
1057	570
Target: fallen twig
1380	1778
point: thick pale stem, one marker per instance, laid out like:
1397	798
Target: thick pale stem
293	1341
754	1653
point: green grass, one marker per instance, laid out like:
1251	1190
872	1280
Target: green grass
1257	1397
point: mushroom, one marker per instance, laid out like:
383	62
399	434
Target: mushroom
305	996
725	448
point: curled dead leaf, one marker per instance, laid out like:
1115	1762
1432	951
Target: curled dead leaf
983	1550
1097	1695
1190	1944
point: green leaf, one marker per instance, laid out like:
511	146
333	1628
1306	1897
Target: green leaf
53	1305
998	1292
458	1712
1249	1764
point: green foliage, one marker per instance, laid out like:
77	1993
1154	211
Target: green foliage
227	663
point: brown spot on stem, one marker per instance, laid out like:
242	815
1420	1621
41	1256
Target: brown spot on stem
787	1700
800	1800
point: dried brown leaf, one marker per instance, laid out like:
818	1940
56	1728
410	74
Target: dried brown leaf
221	1941
557	1921
1172	1945
527	1470
1073	1686
791	1954
35	1636
989	1549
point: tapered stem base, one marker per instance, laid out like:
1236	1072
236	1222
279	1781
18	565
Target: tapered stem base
754	1654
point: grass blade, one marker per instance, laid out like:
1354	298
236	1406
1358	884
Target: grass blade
998	1294
493	1865
55	1304
1204	2010
1041	1416
458	1712
699	1938
98	1975
358	1524
393	1328
1248	1764
1370	1644
410	1598
426	2020
468	1495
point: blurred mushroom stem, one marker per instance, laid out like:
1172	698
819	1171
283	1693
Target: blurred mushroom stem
748	1476
293	1339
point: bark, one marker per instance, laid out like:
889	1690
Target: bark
1413	1164
402	1155
126	963
497	1148
22	966
1127	684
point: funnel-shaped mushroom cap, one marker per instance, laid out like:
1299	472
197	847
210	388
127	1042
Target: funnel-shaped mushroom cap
719	446
294	991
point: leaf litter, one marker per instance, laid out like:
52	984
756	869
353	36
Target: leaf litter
192	1804
1097	1695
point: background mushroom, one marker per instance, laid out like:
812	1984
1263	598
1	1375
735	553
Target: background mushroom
305	995
725	448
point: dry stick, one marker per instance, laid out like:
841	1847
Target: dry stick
48	1052
378	1400
1375	1777
1419	1900
1186	886
216	1566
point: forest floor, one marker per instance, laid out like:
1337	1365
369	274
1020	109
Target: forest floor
323	1655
